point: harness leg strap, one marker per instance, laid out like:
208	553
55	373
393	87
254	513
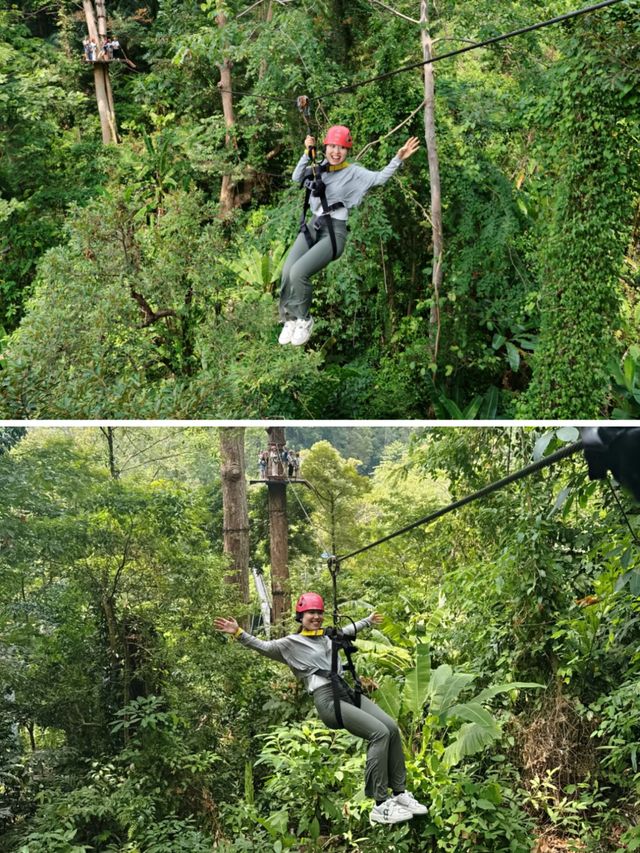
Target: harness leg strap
335	683
332	235
304	228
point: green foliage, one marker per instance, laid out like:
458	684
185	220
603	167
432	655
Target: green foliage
435	693
144	712
149	326
336	486
481	406
114	583
314	786
132	795
258	271
51	157
478	815
310	770
574	812
618	733
626	385
593	149
127	722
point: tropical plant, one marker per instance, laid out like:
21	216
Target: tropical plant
426	704
257	270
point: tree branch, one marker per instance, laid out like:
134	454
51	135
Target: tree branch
149	315
395	12
249	8
397	127
123	563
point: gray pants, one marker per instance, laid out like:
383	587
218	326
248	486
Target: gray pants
385	760
303	262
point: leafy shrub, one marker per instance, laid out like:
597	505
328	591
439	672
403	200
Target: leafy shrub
137	795
314	777
619	733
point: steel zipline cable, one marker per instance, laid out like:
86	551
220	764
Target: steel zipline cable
563	453
615	449
473	46
521	31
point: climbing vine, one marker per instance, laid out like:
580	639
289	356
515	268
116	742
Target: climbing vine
591	132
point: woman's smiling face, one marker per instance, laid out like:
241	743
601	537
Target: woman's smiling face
336	154
312	620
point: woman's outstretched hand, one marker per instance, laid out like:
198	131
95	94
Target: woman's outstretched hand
229	626
410	147
376	617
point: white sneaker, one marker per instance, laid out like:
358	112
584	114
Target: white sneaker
287	332
409	802
389	812
302	332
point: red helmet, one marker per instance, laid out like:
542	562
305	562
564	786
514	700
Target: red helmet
338	135
309	601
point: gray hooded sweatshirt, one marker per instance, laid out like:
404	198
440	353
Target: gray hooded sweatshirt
349	185
303	655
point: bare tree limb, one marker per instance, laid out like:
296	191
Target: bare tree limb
434	177
149	316
123	563
158	315
249	8
397	127
395	12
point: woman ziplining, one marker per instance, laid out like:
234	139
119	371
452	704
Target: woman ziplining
310	655
332	187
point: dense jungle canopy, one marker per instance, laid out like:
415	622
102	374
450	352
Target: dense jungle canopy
139	278
129	725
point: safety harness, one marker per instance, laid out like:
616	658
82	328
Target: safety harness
341	689
345	643
314	185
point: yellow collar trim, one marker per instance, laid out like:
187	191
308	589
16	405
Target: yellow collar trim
315	633
338	167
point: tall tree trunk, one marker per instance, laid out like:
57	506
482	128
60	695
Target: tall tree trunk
104	95
279	540
114	649
267	17
109	434
232	193
279	552
235	511
31	729
434	178
227	190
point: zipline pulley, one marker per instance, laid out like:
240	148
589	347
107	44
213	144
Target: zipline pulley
334	567
303	104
